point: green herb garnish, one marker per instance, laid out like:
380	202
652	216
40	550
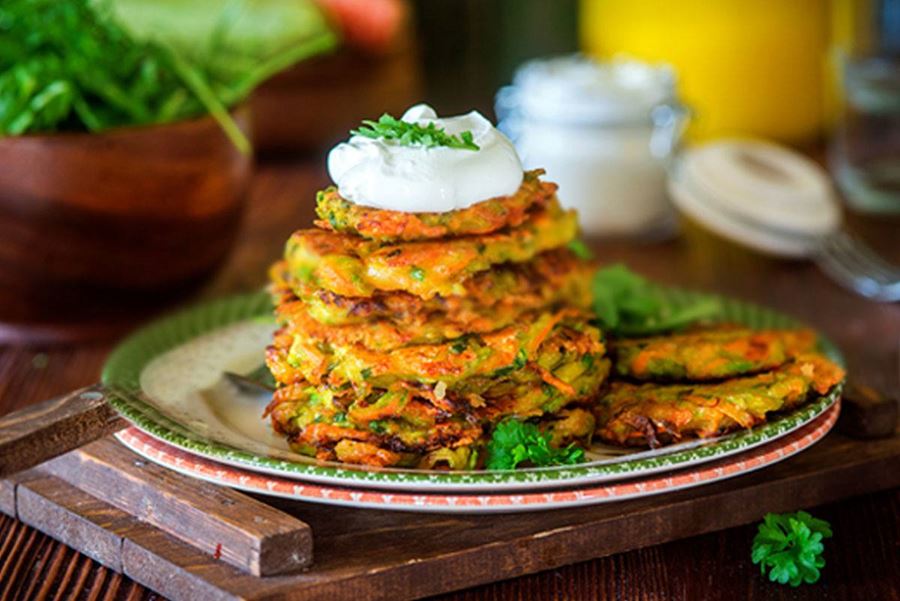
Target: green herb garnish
417	273
87	65
790	546
516	442
580	249
629	305
413	134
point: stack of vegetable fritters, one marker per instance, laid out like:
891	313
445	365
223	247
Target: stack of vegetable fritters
407	336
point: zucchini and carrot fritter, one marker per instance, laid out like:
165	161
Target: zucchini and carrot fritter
656	414
709	353
348	265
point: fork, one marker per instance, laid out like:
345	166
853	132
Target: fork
851	263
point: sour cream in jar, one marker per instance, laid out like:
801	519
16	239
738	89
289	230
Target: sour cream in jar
604	131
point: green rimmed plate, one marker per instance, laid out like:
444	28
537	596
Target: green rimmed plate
167	380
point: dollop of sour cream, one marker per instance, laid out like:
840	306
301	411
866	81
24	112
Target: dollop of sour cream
384	174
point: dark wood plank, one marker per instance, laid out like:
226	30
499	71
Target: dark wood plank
74	517
861	563
388	555
40	432
221	522
383	555
179	571
8	497
867	412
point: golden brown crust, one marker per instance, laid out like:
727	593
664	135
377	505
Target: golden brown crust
340	215
656	414
351	266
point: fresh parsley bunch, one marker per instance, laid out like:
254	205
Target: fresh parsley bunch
413	134
790	546
81	65
628	305
516	442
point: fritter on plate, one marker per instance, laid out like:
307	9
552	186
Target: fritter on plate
489	298
400	319
708	354
341	215
540	344
410	425
656	414
351	266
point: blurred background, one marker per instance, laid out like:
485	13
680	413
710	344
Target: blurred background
129	129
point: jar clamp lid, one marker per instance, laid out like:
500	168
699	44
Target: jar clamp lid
756	193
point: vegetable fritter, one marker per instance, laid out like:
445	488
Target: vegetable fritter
341	215
494	300
708	354
489	298
555	347
655	414
351	266
407	425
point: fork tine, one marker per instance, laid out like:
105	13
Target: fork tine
873	261
862	260
845	275
853	264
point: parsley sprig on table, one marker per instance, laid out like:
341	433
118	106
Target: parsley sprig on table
790	546
628	305
413	134
516	442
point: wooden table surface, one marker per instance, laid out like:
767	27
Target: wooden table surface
863	560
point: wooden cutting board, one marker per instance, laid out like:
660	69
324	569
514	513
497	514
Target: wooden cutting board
366	554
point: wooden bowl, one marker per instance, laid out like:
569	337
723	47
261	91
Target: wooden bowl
313	105
90	223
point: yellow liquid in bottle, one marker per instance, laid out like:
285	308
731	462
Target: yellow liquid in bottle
745	67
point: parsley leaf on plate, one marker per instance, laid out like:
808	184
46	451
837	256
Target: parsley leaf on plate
516	442
790	546
629	305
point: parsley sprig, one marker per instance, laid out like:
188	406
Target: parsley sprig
628	305
516	442
413	134
790	546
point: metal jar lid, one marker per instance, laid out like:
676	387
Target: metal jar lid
756	193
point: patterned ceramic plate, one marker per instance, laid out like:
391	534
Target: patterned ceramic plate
167	380
509	502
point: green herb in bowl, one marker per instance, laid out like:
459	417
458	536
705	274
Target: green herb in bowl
75	66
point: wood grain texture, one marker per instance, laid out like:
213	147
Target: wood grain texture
218	521
179	571
90	222
390	555
42	431
71	515
867	412
8	497
861	564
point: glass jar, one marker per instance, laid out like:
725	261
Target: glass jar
604	132
865	148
